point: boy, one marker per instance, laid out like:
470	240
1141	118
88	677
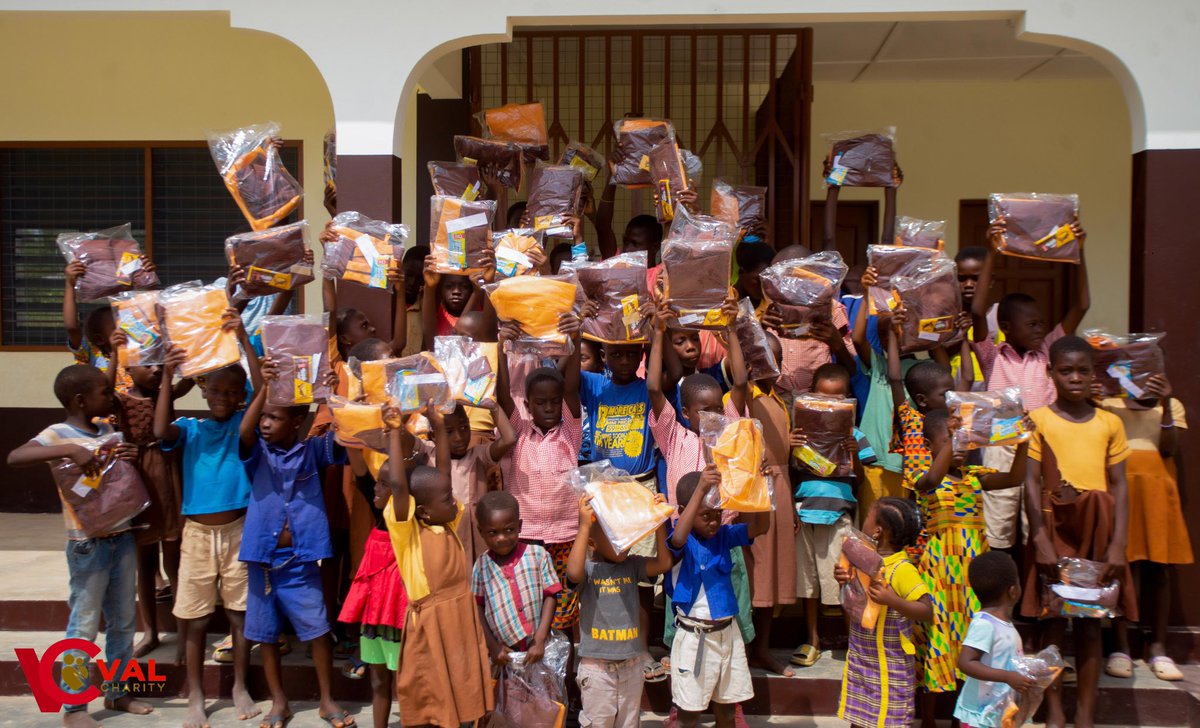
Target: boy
970	262
617	406
286	534
443	301
513	583
414	284
102	568
1020	360
469	466
708	657
216	493
612	650
91	344
824	512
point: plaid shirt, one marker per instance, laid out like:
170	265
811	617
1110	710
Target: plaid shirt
534	472
681	448
802	357
512	592
1005	368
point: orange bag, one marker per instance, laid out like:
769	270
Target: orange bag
624	507
535	303
523	124
460	233
136	313
358	425
512	251
736	447
263	189
364	251
191	315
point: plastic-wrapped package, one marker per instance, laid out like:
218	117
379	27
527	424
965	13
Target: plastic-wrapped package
1014	709
191	315
412	390
548	673
522	124
1036	225
827	422
365	249
555	194
584	158
467	369
512	251
888	261
1124	362
1081	591
697	257
737	448
136	313
254	174
498	160
100	502
988	418
624	507
618	286
455	179
460	233
522	704
635	139
375	375
272	259
756	348
804	290
357	424
917	233
743	205
861	158
668	176
329	159
300	346
860	557
113	259
535	303
929	292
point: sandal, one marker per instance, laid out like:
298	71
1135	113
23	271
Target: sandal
340	719
354	669
654	672
1069	676
275	721
1120	665
1164	668
223	650
805	656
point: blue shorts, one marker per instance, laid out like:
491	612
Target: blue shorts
294	593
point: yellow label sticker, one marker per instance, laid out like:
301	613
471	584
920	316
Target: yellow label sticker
665	200
715	317
1057	238
275	279
815	461
543	222
589	171
303	393
645	163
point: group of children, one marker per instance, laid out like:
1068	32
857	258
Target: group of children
476	547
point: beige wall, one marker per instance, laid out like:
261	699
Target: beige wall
963	140
171	76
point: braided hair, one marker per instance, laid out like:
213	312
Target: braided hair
900	519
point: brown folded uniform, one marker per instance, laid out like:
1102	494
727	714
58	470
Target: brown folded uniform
113	259
890	260
618	285
1124	363
101	502
803	290
455	179
827	422
272	259
1036	226
555	193
499	160
743	205
635	139
668	176
930	294
300	346
460	234
863	161
756	348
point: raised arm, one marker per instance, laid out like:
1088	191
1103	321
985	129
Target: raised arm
70	312
662	561
231	321
1082	300
576	570
981	301
429	303
509	331
569	325
506	437
164	406
606	239
399	311
739	387
441	440
709	479
895	371
654	365
966	365
248	431
858	330
396	471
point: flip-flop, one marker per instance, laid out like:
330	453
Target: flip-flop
275	721
653	672
1069	676
1164	668
339	717
354	669
223	650
1119	664
805	656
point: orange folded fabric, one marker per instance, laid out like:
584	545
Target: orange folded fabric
136	313
737	451
365	249
460	233
252	171
512	251
376	374
358	425
191	314
535	303
523	124
626	511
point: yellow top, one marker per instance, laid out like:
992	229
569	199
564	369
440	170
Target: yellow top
406	542
1143	425
1084	450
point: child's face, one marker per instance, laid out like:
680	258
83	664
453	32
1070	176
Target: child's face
830	387
455	292
623	361
383	489
871	525
750	284
1072	375
707	522
705	400
278	425
98	402
414	281
501	531
687	346
938	440
458	432
357	327
545	403
1026	330
636	239
935	398
470	324
589	357
441	508
853	282
225	394
969	271
99	334
147	379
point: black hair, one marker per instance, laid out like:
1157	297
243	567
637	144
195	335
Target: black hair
831	371
900	519
414	252
1069	345
686	487
344	315
754	256
936	421
233	369
370	350
458	411
543	374
971	252
517	207
693	384
991	574
496	501
924	376
423	482
1010	304
77	379
94	321
791	252
649	224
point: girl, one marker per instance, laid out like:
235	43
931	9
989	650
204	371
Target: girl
950	496
878	686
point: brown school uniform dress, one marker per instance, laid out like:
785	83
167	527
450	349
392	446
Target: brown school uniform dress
159	470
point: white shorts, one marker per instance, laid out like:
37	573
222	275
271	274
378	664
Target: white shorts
1002	512
724	676
818	548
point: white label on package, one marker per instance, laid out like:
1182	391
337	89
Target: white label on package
479	219
514	256
367	248
1077	593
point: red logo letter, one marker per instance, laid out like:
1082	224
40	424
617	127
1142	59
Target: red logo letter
39	673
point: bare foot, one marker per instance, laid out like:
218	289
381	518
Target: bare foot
129	704
244	704
79	719
277	716
148	644
332	713
195	717
764	660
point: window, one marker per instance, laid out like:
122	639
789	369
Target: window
171	193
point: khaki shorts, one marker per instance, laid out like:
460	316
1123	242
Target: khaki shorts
724	676
1002	512
818	548
611	692
208	568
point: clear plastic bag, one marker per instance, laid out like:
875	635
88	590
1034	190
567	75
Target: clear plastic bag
742	205
1018	708
668	176
1082	591
804	290
635	139
861	158
737	448
254	174
522	703
521	124
827	422
584	158
365	249
916	233
555	194
467	369
1036	225
136	313
272	259
300	346
535	303
860	557
697	258
1124	362
105	500
888	261
456	179
624	507
618	286
929	291
756	348
988	419
549	672
358	424
191	315
329	159
498	160
460	233
376	375
113	259
413	391
512	251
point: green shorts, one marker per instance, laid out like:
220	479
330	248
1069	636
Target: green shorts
379	651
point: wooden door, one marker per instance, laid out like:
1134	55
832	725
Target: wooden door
857	227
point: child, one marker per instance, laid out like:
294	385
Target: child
824	512
752	260
102	568
286	534
216	493
970	262
949	495
443	301
91	345
708	656
1077	502
1158	537
991	644
444	678
469	466
412	266
612	650
513	583
878	684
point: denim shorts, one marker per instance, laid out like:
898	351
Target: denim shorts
285	589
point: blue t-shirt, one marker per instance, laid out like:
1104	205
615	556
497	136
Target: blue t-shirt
619	422
982	703
214	479
823	500
708	564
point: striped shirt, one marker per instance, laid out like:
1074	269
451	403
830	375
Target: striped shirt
64	434
681	448
511	590
534	472
824	500
802	357
1005	368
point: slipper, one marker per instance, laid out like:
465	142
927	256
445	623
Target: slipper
1069	676
354	669
1119	664
223	650
1164	668
805	656
338	719
285	645
653	672
275	721
164	594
